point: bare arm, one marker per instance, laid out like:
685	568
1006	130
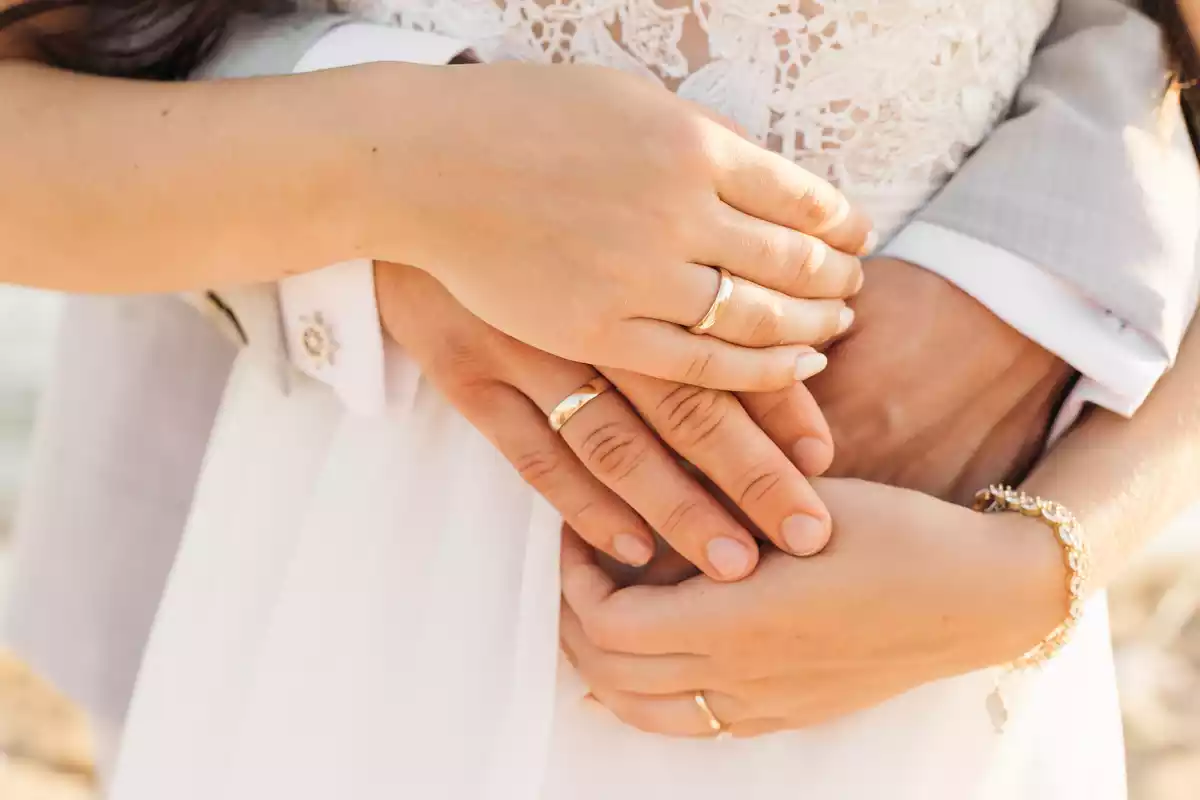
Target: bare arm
129	186
1126	479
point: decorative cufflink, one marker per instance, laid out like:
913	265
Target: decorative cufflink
317	340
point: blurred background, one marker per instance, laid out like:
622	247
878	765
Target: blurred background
44	748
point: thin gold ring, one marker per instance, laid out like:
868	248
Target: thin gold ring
714	722
576	400
724	292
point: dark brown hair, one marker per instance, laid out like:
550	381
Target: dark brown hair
167	39
1184	55
1185	59
150	39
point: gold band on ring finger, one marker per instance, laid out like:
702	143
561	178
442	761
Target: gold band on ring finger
576	400
714	723
724	292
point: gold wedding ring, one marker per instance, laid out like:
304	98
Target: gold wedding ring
714	723
724	292
576	400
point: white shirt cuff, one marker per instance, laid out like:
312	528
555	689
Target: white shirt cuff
330	316
1119	365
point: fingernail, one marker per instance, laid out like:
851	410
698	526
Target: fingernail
845	320
869	244
633	550
729	557
804	535
810	364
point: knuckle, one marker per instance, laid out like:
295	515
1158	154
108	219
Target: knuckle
689	416
697	367
811	206
807	257
775	410
681	516
677	149
764	325
615	450
538	467
770	249
459	361
758	484
689	142
666	229
476	395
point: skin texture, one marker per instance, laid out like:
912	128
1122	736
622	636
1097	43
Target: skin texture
945	406
609	267
130	186
909	590
931	391
892	602
608	473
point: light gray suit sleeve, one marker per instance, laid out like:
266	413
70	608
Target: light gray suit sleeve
1091	182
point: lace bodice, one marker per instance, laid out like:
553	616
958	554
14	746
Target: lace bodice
883	97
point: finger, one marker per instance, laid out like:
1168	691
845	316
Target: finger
651	675
583	581
667	569
760	727
669	352
773	188
780	258
620	450
520	432
752	315
723	121
792	419
714	433
672	715
644	620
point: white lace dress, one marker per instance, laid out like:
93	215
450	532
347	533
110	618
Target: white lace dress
367	608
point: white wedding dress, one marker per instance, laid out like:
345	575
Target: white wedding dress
367	608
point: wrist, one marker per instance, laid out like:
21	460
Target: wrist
393	153
1026	581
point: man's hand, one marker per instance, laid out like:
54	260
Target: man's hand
910	589
609	474
931	391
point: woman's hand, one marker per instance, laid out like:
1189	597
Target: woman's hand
583	211
607	473
910	589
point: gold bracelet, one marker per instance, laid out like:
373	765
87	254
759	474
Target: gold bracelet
1075	553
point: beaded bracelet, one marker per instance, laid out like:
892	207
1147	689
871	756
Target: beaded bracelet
1078	561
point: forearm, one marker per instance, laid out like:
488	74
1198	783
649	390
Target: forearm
1127	479
1076	220
123	186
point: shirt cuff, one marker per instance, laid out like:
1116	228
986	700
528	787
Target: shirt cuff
331	326
331	316
1119	364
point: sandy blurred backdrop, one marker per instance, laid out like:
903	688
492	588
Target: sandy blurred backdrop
44	752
